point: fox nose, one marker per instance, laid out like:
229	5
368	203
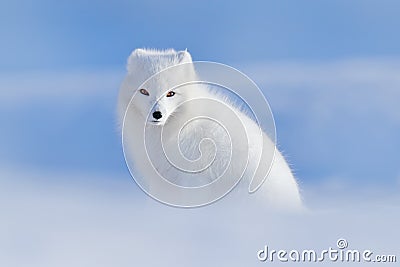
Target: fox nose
157	115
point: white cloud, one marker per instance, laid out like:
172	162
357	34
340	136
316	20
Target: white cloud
351	71
362	86
347	83
325	90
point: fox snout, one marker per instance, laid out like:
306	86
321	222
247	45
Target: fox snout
157	115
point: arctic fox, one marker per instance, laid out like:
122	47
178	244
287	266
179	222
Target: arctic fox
158	115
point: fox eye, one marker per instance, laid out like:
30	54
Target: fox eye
170	93
143	91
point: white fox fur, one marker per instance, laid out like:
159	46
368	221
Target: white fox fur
279	190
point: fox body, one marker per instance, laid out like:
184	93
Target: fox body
203	147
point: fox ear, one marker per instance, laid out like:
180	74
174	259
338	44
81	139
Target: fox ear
138	52
184	56
133	57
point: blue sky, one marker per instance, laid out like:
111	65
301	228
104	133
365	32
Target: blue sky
328	68
72	34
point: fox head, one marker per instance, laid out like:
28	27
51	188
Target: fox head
151	87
